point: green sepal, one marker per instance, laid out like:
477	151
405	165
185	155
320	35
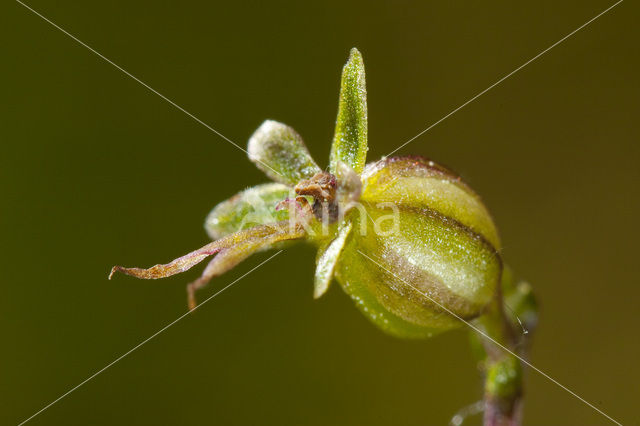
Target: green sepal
327	259
251	207
281	154
350	139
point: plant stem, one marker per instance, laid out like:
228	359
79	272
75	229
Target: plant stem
503	372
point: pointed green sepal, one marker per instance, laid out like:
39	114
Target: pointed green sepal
327	259
279	151
251	207
350	139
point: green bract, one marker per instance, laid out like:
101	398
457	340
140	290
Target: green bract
412	244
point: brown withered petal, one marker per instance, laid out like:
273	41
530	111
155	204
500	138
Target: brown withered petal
237	243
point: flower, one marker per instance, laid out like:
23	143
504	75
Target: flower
412	244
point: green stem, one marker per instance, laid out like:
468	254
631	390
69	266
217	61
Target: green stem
503	388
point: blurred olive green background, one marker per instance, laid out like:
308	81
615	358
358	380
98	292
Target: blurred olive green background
97	170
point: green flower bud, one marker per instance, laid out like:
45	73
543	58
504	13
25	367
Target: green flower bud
504	379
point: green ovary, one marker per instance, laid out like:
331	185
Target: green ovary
430	272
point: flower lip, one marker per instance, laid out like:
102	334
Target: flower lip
322	187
